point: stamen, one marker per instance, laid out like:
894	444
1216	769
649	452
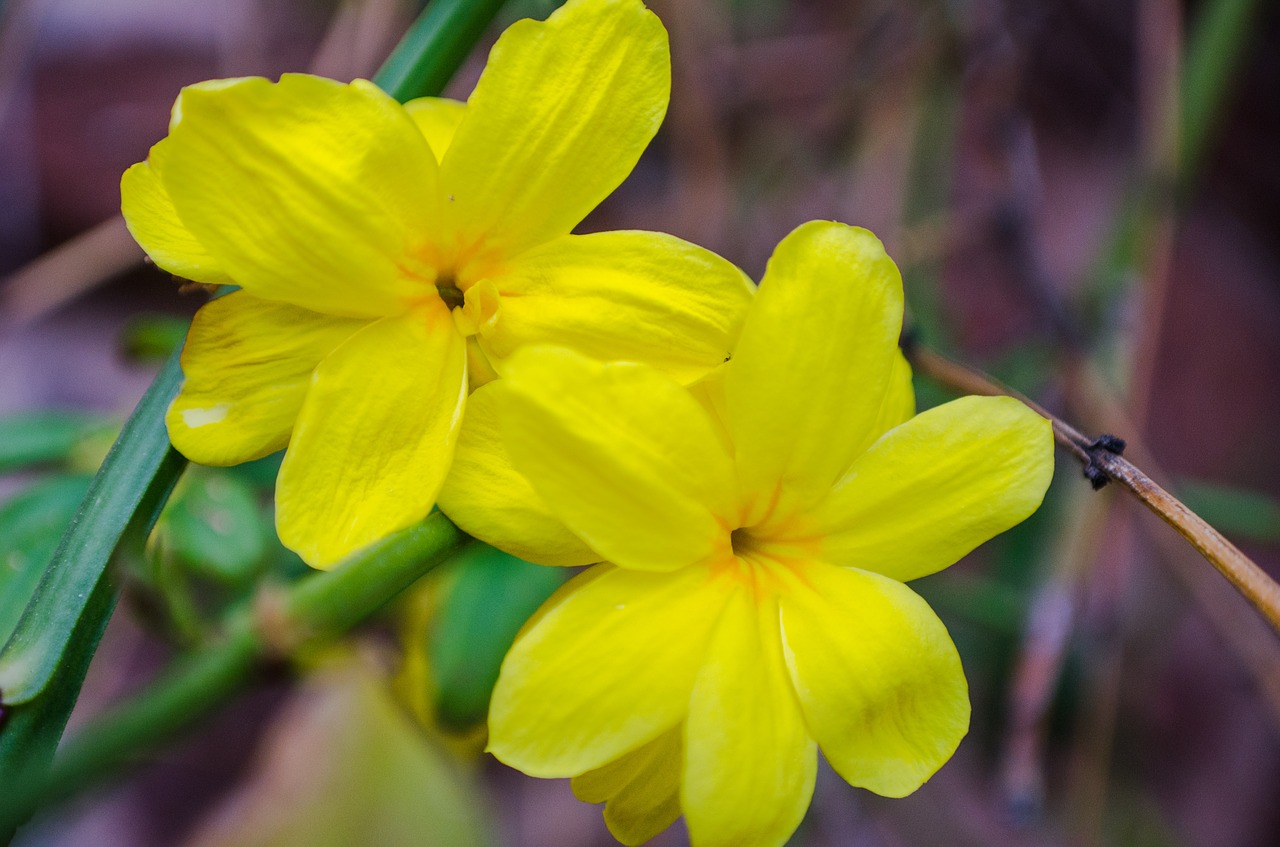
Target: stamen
449	293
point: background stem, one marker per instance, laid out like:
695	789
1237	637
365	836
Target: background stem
1249	579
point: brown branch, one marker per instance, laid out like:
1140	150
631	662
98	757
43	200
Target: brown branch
1102	461
66	272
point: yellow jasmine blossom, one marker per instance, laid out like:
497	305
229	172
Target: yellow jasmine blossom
388	256
758	532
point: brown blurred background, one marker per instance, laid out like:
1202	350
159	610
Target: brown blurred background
1025	164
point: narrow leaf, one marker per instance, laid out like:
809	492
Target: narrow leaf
127	493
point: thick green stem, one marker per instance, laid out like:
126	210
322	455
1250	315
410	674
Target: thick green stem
434	47
319	607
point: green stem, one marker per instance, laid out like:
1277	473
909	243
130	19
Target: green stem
434	47
314	609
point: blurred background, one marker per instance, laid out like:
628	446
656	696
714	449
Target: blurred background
1084	197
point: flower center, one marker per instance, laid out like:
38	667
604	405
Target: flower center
752	565
743	543
770	547
450	293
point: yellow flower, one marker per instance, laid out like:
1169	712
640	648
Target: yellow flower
759	531
386	252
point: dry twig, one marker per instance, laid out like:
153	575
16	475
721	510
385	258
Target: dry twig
1102	461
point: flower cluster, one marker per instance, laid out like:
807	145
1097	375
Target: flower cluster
744	472
390	257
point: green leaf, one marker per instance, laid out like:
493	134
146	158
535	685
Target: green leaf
30	525
154	338
1238	513
36	438
260	473
215	526
31	732
979	600
490	598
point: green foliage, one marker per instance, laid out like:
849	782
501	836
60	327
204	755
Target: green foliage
314	609
1238	513
30	525
215	526
1214	57
154	338
490	597
41	438
260	473
514	10
124	499
212	546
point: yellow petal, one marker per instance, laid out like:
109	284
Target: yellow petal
879	679
709	392
247	365
605	668
557	121
153	223
750	764
204	87
492	501
307	191
438	118
807	381
634	296
937	486
899	403
374	438
480	370
641	790
623	455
